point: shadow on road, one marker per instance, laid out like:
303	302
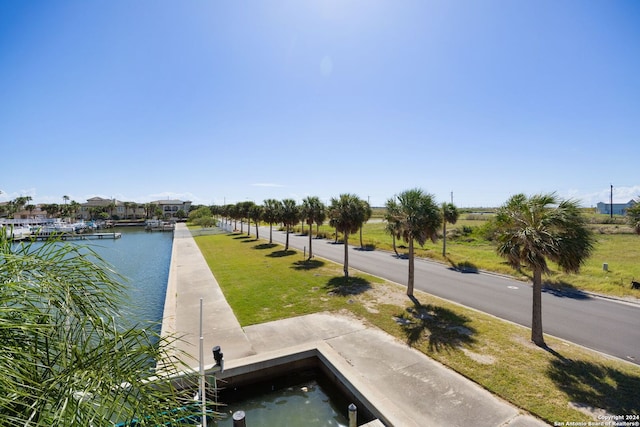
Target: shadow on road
564	290
440	327
463	267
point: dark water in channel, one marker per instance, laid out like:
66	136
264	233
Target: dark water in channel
143	258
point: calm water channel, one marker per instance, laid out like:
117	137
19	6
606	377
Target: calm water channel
142	257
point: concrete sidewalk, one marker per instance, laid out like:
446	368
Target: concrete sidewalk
407	387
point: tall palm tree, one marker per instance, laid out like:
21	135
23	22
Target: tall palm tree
393	226
255	213
74	207
419	218
68	358
633	217
346	214
311	211
449	215
271	214
367	215
531	231
244	209
289	215
127	206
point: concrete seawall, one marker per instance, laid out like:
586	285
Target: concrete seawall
189	280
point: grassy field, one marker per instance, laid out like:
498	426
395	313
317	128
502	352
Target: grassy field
616	245
263	282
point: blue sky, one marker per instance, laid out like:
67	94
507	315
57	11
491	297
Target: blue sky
226	101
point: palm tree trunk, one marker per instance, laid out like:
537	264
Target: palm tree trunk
346	254
286	246
310	236
393	238
257	231
536	318
444	238
270	233
361	245
411	269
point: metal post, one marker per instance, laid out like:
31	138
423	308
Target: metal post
611	202
353	415
203	391
239	419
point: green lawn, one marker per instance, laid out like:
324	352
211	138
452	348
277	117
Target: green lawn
262	282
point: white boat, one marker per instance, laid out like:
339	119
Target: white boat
54	227
17	231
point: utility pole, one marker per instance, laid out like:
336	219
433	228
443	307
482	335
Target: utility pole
611	202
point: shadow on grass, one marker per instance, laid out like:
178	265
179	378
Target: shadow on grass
265	246
440	327
283	253
595	385
239	236
308	264
344	286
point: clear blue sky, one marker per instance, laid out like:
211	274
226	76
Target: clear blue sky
226	101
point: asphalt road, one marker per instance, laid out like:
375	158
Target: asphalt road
606	325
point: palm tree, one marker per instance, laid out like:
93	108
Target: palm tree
244	209
367	215
66	360
633	217
110	207
271	214
30	208
393	222
289	215
449	215
311	211
321	216
74	207
256	212
418	218
531	231
347	216
127	205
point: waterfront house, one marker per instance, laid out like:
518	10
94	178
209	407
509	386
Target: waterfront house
170	208
618	208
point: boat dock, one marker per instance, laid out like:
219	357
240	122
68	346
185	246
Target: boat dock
68	236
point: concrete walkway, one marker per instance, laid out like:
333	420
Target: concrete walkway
406	387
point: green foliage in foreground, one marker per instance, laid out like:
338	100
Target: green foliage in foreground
67	356
263	283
